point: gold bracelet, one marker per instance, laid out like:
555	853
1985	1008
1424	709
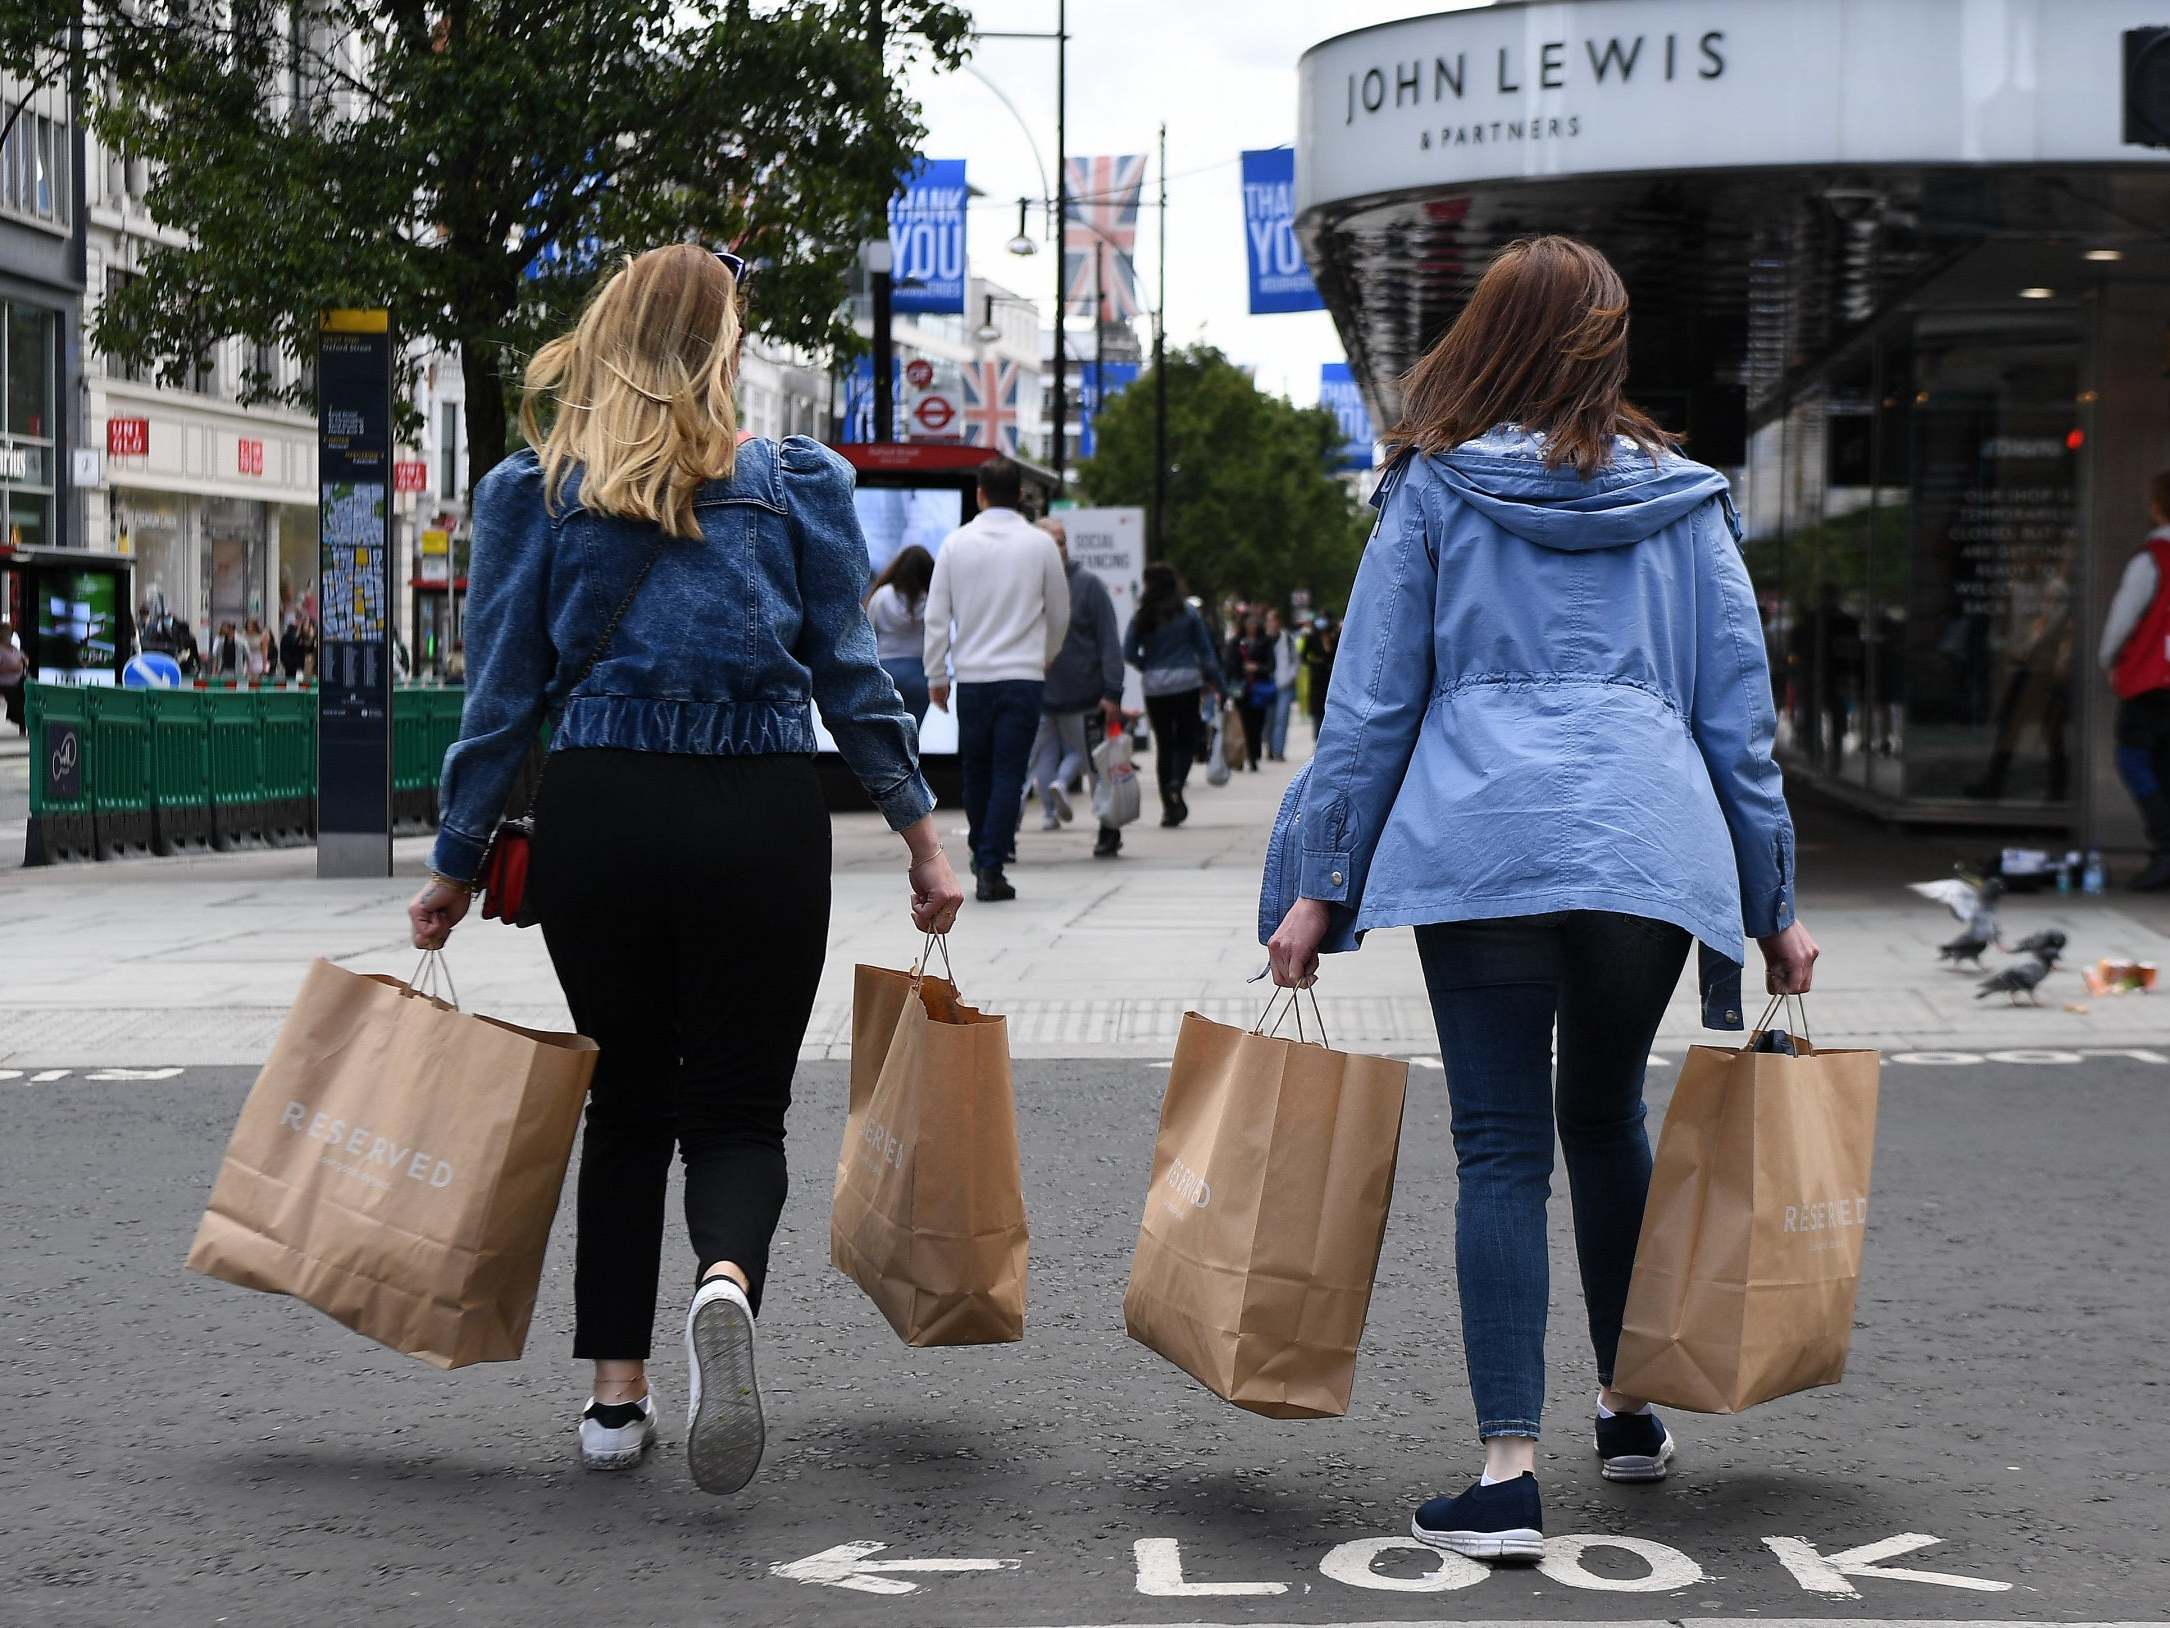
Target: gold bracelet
930	859
453	883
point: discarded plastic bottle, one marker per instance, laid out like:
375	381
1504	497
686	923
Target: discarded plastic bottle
2094	881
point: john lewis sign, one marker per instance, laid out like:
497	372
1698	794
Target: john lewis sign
1579	87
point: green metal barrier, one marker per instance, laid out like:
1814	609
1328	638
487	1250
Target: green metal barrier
120	772
62	828
446	706
180	770
414	776
288	721
237	769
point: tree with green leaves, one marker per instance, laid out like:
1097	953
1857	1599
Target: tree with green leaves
473	164
1253	505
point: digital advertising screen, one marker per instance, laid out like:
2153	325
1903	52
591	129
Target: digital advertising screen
894	515
79	628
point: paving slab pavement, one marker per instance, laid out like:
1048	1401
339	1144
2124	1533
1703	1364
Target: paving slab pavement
195	960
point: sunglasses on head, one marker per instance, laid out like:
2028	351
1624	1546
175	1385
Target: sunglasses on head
736	264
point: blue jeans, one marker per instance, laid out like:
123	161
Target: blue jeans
1498	988
1059	753
909	674
1284	702
995	727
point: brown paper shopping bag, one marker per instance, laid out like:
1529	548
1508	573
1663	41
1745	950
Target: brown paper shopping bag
1271	1181
929	1214
1750	1250
397	1166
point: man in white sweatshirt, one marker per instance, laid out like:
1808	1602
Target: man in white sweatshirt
997	613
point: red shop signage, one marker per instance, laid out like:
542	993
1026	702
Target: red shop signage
410	477
251	458
127	437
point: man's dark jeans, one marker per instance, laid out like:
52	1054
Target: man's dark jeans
996	724
2143	761
1500	992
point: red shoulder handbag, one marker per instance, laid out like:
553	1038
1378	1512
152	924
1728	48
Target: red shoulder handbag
503	883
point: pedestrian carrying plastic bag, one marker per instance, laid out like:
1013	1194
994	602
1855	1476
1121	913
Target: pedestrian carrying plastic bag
1116	798
929	1213
1271	1181
1218	768
397	1166
1234	752
1750	1252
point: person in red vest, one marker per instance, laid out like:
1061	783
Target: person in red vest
2136	654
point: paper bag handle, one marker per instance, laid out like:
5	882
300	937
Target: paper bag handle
1763	1023
433	963
936	941
1295	1006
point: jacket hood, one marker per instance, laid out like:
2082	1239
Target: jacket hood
1502	475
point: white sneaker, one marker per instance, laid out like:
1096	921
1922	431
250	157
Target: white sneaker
724	1429
1050	823
1063	811
613	1436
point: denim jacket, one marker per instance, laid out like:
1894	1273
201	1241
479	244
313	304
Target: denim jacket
1176	656
725	649
1552	694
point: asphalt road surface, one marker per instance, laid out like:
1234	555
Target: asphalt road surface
184	1452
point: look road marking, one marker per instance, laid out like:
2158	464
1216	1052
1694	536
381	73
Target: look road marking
1160	1572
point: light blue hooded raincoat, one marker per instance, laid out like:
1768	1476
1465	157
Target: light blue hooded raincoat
1551	694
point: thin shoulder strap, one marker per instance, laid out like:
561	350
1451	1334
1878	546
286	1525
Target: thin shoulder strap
625	604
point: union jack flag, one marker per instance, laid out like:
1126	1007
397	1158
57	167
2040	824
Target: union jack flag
1103	196
990	405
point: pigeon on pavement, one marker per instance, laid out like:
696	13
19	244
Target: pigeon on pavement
2021	977
1975	904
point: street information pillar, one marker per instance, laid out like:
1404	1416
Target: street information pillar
354	667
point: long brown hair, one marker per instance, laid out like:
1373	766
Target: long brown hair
1543	343
911	573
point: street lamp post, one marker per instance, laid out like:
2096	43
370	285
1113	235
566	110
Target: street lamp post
1160	371
1061	37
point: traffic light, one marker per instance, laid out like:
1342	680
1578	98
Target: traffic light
2147	87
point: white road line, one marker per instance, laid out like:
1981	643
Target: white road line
1662	1622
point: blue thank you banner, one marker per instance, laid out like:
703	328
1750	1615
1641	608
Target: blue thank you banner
926	235
1100	383
1339	395
1280	281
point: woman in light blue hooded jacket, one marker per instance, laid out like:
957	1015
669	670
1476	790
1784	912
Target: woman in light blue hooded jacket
1547	748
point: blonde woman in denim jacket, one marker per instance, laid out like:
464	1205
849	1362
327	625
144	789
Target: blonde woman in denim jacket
681	857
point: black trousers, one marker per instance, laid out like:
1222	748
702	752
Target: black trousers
2143	760
1178	736
643	862
1254	729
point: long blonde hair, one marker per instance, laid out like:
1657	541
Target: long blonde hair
639	393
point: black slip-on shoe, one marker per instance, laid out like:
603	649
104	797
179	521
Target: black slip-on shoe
1505	1521
1633	1447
